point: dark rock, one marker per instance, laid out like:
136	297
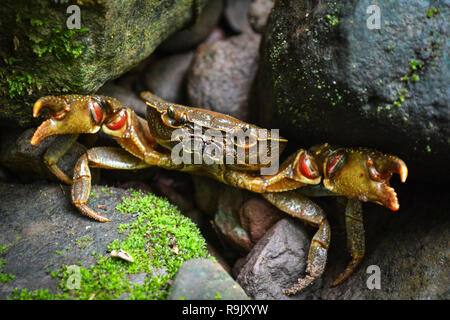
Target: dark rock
257	216
202	279
41	56
190	37
276	262
126	96
166	77
206	194
259	13
325	76
236	14
26	160
222	75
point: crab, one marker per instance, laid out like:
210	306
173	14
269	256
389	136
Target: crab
358	174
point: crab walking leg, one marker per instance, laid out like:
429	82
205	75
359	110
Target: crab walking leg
101	157
56	151
301	207
296	171
260	184
355	237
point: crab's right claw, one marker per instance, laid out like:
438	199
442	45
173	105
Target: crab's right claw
71	114
362	174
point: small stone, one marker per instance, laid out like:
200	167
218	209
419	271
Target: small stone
276	262
235	13
166	77
203	279
259	12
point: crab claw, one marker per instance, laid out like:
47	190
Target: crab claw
362	174
71	114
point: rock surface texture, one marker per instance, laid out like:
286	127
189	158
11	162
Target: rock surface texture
327	75
41	56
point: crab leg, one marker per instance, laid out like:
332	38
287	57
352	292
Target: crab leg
296	171
101	157
56	151
355	238
302	208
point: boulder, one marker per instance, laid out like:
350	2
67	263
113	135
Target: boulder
326	75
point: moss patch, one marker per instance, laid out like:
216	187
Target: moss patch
160	239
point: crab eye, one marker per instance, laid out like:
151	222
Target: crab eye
119	122
96	111
171	112
335	162
308	166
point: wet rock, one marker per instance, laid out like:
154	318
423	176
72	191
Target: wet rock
222	75
26	160
40	231
188	38
206	194
166	77
410	248
41	56
45	222
126	96
325	76
259	13
257	216
236	14
202	279
276	262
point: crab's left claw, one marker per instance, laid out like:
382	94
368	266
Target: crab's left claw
361	174
71	114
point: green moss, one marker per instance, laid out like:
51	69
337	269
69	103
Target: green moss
83	242
160	239
6	246
60	43
432	11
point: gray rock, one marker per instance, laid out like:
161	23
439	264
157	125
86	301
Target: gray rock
166	77
188	38
41	56
222	75
258	14
236	14
44	220
202	279
325	76
276	262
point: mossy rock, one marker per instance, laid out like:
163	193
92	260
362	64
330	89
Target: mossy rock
49	250
325	76
39	55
